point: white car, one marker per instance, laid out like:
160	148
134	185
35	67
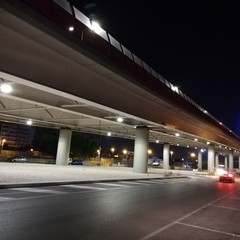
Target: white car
19	159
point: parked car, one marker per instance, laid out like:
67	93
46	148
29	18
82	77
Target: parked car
77	162
226	176
154	161
19	159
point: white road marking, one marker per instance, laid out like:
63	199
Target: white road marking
163	181
238	198
84	187
112	184
230	208
146	182
156	232
209	229
3	199
133	183
39	190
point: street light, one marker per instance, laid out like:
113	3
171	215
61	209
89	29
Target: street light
193	155
99	153
5	88
2	144
171	156
124	151
112	150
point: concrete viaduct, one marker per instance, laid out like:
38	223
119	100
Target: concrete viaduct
67	75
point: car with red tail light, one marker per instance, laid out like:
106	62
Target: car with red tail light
226	176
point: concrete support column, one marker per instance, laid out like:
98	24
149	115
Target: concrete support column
226	162
239	163
141	150
63	148
200	160
166	152
216	160
231	160
210	159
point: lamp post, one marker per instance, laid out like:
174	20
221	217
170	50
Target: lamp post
171	157
112	150
124	154
125	151
149	152
124	157
3	141
193	155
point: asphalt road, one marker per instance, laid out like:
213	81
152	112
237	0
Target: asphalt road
191	208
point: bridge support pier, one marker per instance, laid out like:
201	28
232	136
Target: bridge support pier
216	159
166	152
230	160
63	148
210	158
239	163
200	160
226	161
141	150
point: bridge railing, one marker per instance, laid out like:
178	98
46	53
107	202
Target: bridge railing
69	18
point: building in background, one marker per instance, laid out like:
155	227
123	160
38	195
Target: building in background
15	136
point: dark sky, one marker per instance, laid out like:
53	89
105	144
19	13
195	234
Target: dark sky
193	44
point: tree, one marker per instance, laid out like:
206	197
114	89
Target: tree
84	145
45	140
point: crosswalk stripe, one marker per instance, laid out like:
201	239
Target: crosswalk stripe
3	199
158	181
39	190
146	182
112	184
97	186
133	183
84	187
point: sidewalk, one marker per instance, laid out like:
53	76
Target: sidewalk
31	174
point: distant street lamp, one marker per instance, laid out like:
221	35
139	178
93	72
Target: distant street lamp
112	150
124	151
171	156
2	144
193	155
99	153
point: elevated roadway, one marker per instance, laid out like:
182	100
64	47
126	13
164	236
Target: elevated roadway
78	79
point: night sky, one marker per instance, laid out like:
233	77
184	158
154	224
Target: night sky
193	44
